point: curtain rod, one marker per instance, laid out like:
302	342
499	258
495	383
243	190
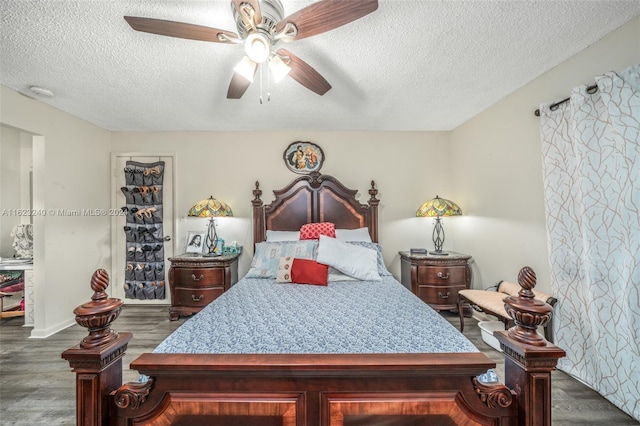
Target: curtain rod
590	90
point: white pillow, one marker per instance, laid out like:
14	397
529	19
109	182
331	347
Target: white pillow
355	261
335	275
282	235
360	234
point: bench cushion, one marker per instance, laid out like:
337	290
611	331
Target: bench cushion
492	301
486	300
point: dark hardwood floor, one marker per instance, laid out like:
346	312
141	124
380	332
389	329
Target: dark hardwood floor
37	386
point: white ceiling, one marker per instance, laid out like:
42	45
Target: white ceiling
410	65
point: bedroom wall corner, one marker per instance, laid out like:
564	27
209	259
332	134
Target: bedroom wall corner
499	184
71	177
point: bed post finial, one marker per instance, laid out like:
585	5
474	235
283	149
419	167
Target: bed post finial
97	360
98	314
529	358
527	312
257	193
259	231
372	193
372	216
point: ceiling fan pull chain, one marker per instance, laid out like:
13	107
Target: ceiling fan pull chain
260	84
268	86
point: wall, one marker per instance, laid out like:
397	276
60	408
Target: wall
70	161
408	167
9	187
498	181
16	165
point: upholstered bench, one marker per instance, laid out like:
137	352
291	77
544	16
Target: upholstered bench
490	302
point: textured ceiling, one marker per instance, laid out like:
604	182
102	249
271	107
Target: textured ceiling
410	65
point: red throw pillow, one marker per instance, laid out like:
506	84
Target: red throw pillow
312	231
307	271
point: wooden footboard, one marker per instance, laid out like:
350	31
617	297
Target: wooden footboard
312	390
320	389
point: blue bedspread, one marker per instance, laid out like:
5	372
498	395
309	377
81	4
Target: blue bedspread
262	316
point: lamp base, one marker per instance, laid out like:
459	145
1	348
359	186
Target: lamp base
439	253
212	254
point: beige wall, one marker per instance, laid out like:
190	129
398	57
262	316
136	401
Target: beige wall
9	187
498	180
408	167
16	165
70	161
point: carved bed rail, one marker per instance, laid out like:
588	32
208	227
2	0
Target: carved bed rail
313	389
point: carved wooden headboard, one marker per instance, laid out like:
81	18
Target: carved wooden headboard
314	198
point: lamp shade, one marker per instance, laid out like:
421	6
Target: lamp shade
437	207
246	68
278	68
210	207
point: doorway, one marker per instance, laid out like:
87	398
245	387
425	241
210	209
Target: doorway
16	204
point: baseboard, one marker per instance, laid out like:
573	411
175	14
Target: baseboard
50	331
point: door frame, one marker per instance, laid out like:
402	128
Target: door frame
114	204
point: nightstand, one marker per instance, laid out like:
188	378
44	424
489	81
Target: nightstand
436	279
195	281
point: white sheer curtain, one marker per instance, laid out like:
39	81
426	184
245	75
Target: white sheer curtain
591	162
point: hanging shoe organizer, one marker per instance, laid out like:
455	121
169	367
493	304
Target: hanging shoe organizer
145	272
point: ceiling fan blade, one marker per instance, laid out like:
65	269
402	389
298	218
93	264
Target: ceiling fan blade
180	30
326	15
304	74
238	86
255	4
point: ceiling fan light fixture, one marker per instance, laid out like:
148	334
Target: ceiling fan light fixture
258	47
261	25
278	68
246	68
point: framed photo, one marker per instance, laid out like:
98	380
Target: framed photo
195	242
303	157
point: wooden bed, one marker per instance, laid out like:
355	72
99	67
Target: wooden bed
312	389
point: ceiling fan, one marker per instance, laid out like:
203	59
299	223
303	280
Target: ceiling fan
261	27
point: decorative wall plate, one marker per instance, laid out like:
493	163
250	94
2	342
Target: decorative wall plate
303	157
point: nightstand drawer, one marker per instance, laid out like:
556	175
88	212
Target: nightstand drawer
195	281
436	280
442	275
439	295
186	277
197	297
